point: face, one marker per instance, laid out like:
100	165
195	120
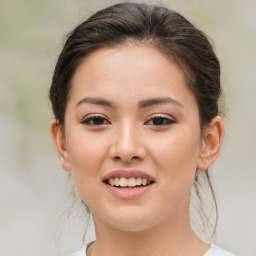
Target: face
132	137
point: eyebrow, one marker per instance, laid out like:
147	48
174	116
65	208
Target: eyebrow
141	104
96	101
159	101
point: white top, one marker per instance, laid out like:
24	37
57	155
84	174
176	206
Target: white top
217	251
213	251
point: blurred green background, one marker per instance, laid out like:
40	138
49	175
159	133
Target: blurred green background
32	183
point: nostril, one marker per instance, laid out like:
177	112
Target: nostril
126	159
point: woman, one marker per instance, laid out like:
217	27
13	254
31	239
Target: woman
135	94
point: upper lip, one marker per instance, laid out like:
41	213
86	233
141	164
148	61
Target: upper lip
130	173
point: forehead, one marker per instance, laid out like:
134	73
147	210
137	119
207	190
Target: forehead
128	71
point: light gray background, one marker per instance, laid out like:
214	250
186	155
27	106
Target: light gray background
32	184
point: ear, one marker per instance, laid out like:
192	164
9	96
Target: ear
211	143
60	144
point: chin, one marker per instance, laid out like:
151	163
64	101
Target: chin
131	226
130	221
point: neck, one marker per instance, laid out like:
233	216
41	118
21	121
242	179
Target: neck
170	237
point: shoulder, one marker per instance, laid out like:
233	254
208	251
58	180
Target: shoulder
217	251
82	252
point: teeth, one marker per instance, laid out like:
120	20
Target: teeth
123	182
138	181
131	182
144	182
111	182
117	181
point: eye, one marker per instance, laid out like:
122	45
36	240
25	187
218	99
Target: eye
95	120
160	121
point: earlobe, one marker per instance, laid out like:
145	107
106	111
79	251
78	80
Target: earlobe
60	144
211	144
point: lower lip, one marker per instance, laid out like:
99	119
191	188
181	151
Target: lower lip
128	193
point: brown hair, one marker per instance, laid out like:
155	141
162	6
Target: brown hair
159	27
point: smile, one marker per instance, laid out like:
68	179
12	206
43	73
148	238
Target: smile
128	182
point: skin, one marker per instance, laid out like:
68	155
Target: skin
129	136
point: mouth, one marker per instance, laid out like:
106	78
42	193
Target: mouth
132	182
128	184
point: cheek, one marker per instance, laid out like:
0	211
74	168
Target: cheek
87	154
178	149
85	149
177	165
178	157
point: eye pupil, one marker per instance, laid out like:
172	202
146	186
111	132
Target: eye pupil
158	121
98	120
94	120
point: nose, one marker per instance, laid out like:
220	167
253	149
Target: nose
127	144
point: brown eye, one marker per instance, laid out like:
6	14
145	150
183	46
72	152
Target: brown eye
159	120
95	120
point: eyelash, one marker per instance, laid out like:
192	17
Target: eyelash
164	121
93	118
